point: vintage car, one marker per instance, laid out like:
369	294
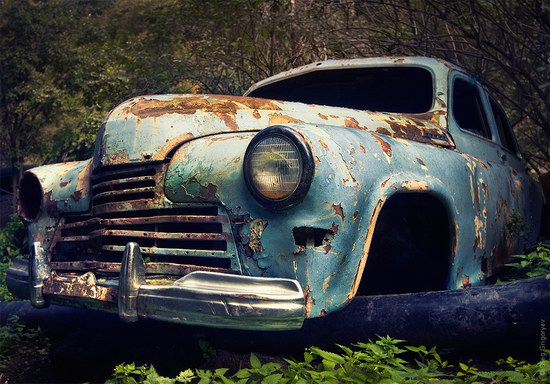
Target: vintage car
336	179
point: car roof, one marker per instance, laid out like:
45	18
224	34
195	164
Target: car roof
437	65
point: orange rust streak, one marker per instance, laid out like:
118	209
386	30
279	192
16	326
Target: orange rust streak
386	147
350	122
366	248
339	210
383	185
190	104
278	118
230	120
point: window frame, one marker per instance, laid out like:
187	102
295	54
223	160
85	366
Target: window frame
508	127
484	107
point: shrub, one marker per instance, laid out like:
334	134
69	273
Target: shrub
381	361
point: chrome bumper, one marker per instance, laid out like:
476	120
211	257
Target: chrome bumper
200	298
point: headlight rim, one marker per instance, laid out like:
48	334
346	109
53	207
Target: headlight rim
308	167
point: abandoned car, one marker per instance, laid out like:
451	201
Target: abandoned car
332	180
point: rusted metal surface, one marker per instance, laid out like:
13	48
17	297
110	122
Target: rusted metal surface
83	286
167	173
153	268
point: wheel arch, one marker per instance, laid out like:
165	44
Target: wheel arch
431	190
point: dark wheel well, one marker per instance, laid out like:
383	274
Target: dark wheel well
411	250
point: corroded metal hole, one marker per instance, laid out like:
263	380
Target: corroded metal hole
30	197
312	237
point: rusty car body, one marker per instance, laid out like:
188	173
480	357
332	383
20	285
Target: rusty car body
336	179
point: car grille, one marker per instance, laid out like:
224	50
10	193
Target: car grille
128	205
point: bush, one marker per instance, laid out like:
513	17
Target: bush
13	240
13	243
535	263
23	351
382	361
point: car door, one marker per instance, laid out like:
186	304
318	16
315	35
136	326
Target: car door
492	172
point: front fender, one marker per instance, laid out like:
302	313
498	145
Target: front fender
65	186
349	186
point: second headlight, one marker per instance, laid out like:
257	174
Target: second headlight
278	167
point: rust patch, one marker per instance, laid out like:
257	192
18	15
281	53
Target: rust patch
230	120
119	157
386	147
189	105
324	117
210	191
419	161
362	148
339	210
382	131
466	281
415	185
63	184
310	301
323	144
81	286
383	184
278	118
323	312
355	214
350	122
257	227
334	228
256	114
76	196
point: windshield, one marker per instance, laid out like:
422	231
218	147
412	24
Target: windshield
390	89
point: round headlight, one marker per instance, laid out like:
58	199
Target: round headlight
278	167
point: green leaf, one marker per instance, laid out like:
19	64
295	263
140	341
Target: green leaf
254	361
328	355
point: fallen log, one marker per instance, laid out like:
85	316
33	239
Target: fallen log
512	313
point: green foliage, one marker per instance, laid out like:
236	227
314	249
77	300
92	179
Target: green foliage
130	374
13	243
5	295
516	224
13	240
21	348
381	361
536	263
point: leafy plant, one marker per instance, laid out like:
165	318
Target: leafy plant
22	349
13	243
13	240
381	361
5	295
535	263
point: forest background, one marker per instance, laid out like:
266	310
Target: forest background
65	63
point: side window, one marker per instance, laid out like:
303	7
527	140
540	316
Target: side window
503	127
468	108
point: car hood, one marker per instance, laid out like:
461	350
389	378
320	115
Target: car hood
150	128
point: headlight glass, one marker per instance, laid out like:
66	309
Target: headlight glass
275	167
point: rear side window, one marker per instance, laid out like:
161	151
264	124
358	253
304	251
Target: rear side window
503	127
468	108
